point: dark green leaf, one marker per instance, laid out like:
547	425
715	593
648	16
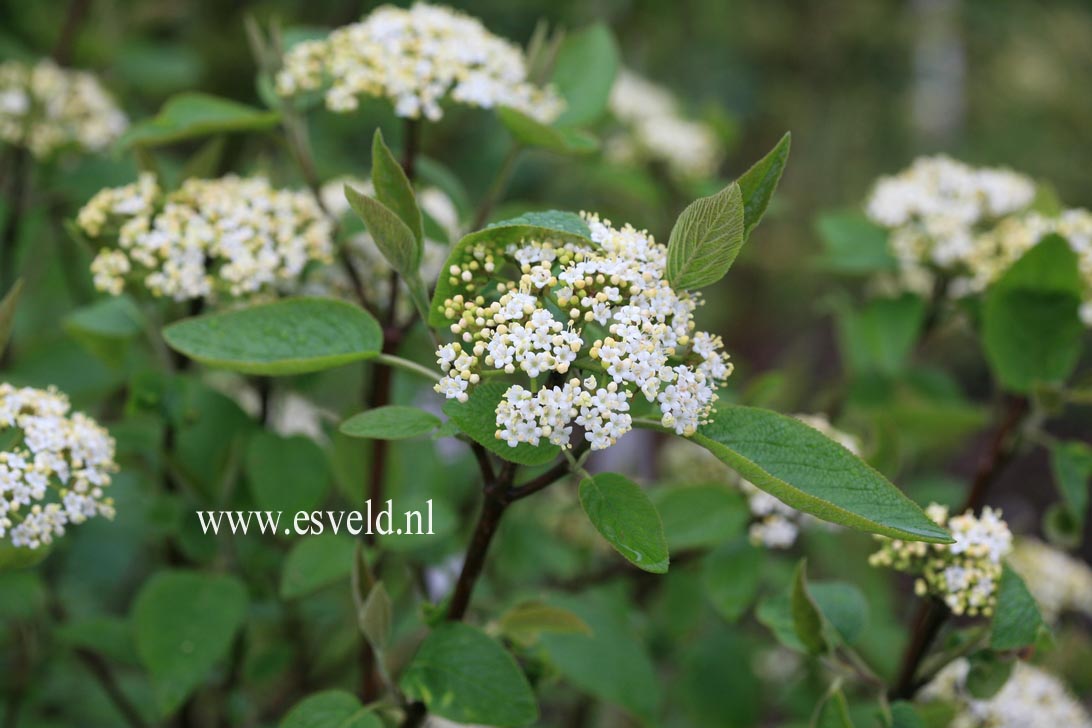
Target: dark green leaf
330	709
880	337
731	575
477	417
1016	618
706	239
19	557
287	474
758	184
533	133
463	675
1031	329
700	515
394	190
1071	463
316	562
294	336
192	114
987	674
393	422
843	606
621	511
392	236
184	623
584	73
807	620
806	470
904	715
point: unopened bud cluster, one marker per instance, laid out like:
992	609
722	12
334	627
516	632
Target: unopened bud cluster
416	58
964	574
234	236
586	327
54	468
46	108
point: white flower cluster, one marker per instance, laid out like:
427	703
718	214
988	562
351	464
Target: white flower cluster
1002	246
369	263
231	236
602	309
44	108
1059	582
1030	697
964	574
935	211
51	452
416	58
774	524
657	131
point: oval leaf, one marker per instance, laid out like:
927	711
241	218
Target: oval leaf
1016	618
810	472
486	686
624	515
393	422
190	115
584	73
524	623
316	562
287	474
533	133
330	709
295	336
730	576
706	239
184	623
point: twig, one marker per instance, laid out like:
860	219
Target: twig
66	41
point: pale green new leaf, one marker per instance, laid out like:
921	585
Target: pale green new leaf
584	73
525	622
395	240
393	422
395	191
621	511
375	616
706	239
758	184
810	472
294	336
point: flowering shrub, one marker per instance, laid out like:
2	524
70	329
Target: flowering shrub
491	424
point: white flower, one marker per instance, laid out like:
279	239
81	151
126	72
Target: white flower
608	303
45	108
232	236
416	58
55	473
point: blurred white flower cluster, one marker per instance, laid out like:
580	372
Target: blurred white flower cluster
1059	582
1030	697
370	264
774	525
614	310
935	211
658	132
416	58
965	574
45	108
232	236
54	471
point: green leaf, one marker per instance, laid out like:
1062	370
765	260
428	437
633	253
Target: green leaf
189	115
553	225
463	675
375	616
524	623
987	674
392	236
700	515
706	239
758	184
184	623
1016	618
1071	463
730	576
806	618
843	606
393	422
621	511
477	418
904	715
330	709
7	312
395	191
533	133
104	327
584	73
1031	329
205	163
833	711
287	474
20	557
316	562
775	612
810	472
294	336
880	336
853	244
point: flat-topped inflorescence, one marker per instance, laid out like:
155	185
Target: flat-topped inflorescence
964	574
586	326
46	108
416	58
228	237
55	471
